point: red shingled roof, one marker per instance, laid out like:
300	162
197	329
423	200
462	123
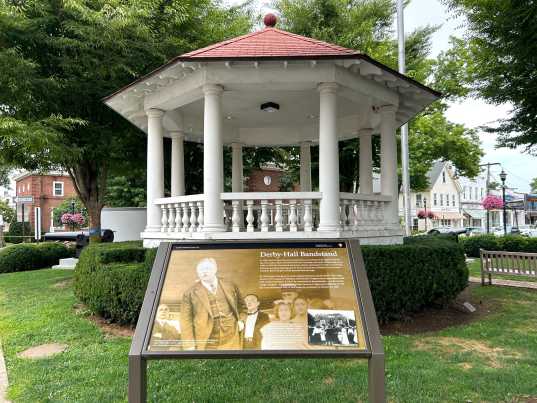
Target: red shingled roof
267	43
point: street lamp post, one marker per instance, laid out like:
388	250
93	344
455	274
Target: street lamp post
425	209
503	177
72	212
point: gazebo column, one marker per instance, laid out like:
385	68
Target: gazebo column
155	168
305	166
178	164
388	162
328	159
366	161
236	168
213	159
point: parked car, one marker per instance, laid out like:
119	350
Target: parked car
473	231
498	231
528	230
447	230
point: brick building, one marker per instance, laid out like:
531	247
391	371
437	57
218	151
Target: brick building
266	179
47	191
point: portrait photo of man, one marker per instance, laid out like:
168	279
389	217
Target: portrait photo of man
254	321
211	311
165	328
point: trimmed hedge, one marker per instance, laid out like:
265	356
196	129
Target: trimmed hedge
430	238
407	278
508	243
111	278
27	256
403	278
14	235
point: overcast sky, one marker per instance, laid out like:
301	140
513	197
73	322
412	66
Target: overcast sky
520	167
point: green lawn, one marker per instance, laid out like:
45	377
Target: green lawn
475	271
492	360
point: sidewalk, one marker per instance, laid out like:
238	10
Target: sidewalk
507	283
3	378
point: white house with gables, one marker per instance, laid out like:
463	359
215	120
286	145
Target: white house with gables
442	198
271	88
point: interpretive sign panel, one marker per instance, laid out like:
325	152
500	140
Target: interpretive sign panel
254	296
256	299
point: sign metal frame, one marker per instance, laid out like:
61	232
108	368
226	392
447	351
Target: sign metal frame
374	352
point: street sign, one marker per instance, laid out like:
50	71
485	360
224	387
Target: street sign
24	199
247	299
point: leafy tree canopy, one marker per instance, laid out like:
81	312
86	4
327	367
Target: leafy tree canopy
499	54
59	58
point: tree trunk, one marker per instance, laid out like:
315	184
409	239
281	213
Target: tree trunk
90	185
94	214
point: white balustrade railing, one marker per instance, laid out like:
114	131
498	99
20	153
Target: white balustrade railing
181	213
362	211
271	211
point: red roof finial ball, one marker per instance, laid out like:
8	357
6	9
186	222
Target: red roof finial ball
270	20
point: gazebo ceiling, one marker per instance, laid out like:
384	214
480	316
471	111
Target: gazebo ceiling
271	65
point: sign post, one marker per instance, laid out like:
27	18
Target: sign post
37	221
247	299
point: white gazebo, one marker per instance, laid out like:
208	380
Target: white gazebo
271	88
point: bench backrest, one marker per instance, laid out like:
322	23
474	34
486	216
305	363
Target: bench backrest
512	263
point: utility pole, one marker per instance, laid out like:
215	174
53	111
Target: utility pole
404	129
488	165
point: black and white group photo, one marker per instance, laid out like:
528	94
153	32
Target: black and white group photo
331	327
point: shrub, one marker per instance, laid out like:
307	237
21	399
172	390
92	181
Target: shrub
111	278
14	235
430	238
508	243
403	278
407	278
28	256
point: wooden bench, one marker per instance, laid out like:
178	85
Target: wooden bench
507	263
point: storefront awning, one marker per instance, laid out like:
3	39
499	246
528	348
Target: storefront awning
449	216
477	214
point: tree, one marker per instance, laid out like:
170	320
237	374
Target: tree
366	25
493	185
8	213
59	59
533	185
5	171
500	55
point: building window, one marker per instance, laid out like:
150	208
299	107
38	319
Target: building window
464	193
415	224
445	222
57	188
443	176
435	201
441	199
447	200
475	193
418	200
453	200
482	192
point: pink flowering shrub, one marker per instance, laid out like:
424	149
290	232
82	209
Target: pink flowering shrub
426	214
76	219
492	202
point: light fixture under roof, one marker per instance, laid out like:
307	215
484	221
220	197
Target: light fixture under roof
270	107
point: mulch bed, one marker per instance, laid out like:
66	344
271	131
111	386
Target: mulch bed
438	318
